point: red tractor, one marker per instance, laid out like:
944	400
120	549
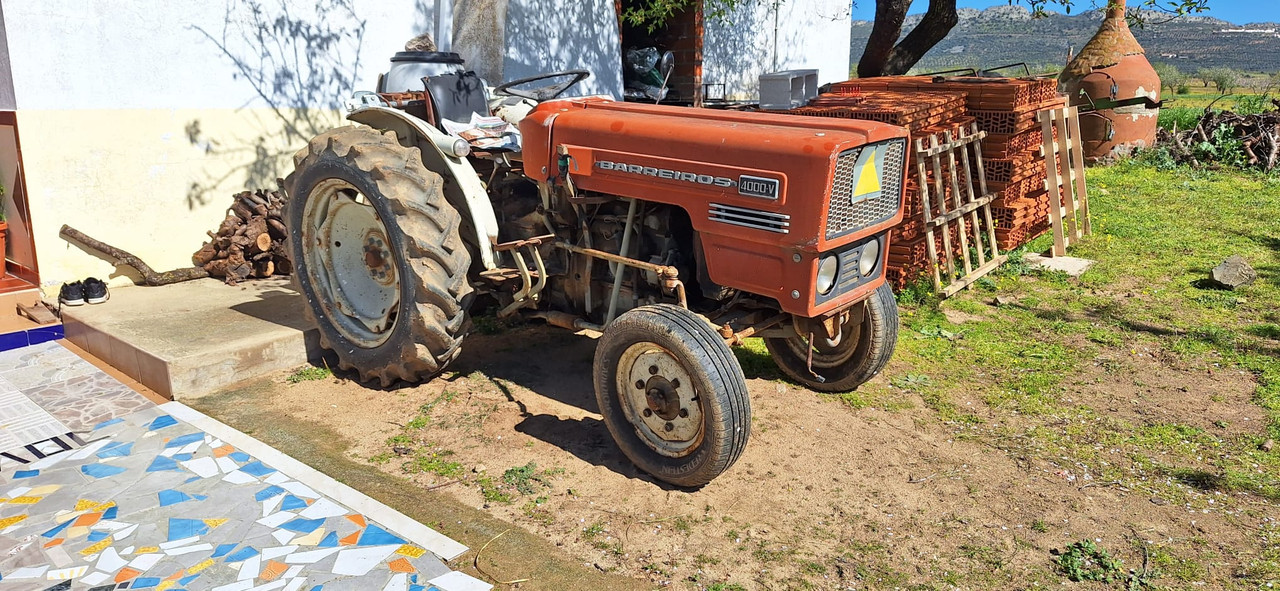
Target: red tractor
674	232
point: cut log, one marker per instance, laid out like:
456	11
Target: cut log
263	243
277	229
242	211
124	258
264	268
207	253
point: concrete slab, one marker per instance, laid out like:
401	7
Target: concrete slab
1072	266
193	338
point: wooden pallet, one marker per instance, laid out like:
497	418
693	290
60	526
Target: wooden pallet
1068	217
950	162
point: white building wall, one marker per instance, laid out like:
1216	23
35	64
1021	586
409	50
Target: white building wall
513	39
764	36
140	118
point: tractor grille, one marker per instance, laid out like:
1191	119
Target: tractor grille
750	218
843	216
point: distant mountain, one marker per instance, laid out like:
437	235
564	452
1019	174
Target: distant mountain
1009	34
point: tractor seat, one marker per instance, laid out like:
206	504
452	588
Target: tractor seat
456	95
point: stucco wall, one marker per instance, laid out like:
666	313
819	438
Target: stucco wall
764	36
140	119
511	39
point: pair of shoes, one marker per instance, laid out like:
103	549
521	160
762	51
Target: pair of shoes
90	290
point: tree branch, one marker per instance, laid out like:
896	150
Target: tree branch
885	31
937	23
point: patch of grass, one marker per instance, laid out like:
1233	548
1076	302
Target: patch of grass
1040	526
765	553
756	361
810	567
489	324
726	587
986	555
491	492
309	373
1265	331
590	532
526	479
1086	561
433	462
535	511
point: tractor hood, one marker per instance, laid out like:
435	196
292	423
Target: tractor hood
768	194
769	166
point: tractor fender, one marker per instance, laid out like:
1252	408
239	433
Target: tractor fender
465	192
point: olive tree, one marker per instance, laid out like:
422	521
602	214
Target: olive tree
1170	76
888	52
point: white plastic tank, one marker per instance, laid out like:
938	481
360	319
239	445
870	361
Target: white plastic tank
408	68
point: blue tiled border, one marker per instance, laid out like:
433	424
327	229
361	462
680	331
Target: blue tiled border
32	336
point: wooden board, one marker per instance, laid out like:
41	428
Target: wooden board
38	313
1064	180
956	164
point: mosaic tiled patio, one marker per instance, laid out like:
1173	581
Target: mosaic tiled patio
102	489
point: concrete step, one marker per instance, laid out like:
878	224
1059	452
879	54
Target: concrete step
196	337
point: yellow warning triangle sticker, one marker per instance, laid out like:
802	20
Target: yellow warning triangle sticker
868	180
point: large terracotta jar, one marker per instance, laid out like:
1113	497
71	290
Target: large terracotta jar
1116	88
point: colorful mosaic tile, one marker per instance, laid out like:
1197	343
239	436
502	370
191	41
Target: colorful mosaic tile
145	500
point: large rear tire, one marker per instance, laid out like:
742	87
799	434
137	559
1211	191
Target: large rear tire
862	351
377	253
672	394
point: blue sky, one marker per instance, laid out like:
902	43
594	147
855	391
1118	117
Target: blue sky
1236	11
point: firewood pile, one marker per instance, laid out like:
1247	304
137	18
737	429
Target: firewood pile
250	242
1258	136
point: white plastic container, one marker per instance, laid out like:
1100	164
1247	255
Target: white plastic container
408	68
787	89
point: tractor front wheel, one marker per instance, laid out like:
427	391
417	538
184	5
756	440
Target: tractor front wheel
857	355
377	253
672	394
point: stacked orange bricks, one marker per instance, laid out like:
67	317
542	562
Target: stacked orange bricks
923	114
1006	108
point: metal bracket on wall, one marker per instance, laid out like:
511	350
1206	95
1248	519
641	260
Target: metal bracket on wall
963	216
1064	163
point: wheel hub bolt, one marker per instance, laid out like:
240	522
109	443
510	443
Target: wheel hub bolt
639	384
653	370
669	427
684	413
648	413
675	383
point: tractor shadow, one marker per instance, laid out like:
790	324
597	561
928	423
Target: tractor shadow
537	360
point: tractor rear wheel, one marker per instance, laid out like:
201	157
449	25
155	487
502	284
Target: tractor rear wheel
377	253
672	394
863	348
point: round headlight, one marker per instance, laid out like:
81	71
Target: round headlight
869	258
827	271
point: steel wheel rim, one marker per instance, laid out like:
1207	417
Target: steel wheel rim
673	427
828	355
350	263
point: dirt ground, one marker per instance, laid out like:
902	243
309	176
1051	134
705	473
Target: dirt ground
826	496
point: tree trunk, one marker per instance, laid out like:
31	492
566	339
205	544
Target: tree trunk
882	57
884	34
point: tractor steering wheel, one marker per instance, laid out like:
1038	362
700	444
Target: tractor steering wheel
542	93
